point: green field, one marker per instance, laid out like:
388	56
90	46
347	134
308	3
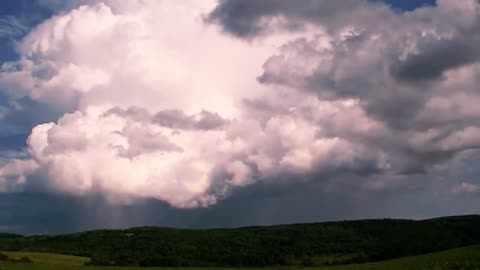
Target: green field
48	259
456	259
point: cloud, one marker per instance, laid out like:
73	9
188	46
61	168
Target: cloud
14	172
465	188
187	149
248	18
407	73
158	103
174	119
396	77
178	153
434	59
122	158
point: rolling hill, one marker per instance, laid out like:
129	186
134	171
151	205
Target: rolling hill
316	244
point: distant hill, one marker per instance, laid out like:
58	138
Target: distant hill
4	236
327	243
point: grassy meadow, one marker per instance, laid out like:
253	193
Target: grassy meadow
467	258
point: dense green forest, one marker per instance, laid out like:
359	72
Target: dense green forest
297	245
467	258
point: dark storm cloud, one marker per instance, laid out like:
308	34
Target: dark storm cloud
247	18
376	67
135	113
396	70
342	72
144	141
177	119
437	57
174	119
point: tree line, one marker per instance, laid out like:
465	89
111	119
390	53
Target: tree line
314	244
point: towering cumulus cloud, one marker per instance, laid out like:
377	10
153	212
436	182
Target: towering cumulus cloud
185	101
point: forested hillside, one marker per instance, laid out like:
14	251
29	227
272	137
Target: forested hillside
299	244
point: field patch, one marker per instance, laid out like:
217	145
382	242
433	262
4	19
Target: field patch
467	258
48	258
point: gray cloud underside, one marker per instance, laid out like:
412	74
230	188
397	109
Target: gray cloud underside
249	18
174	119
260	204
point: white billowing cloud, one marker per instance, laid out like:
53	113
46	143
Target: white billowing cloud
120	154
145	46
164	105
88	152
159	107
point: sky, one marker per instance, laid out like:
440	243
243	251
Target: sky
231	113
409	5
